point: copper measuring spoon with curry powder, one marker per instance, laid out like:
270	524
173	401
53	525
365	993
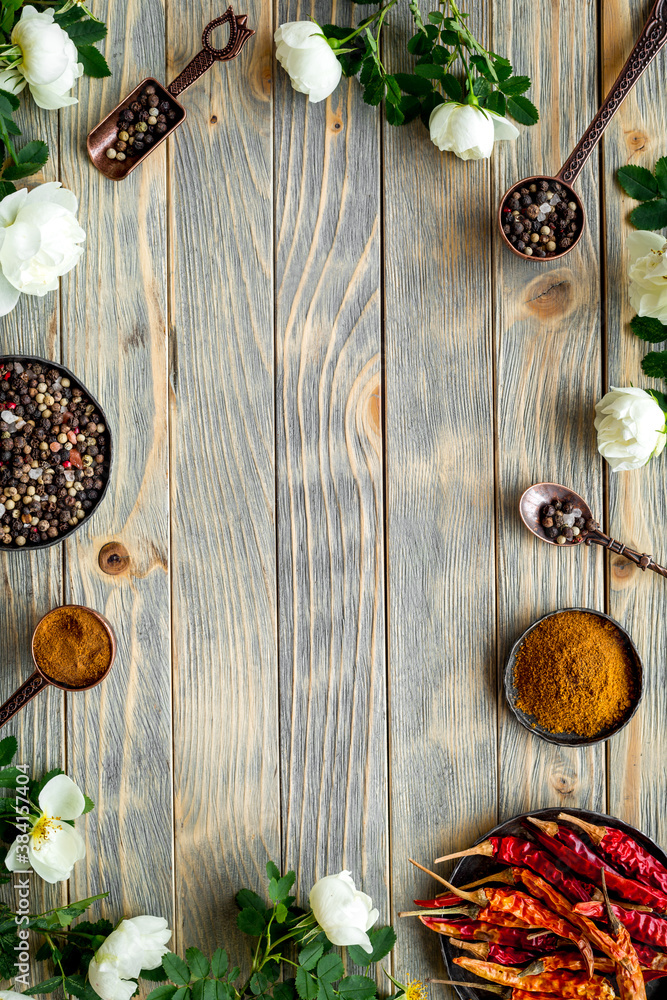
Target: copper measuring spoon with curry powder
73	648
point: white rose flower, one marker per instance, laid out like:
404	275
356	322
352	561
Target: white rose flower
468	131
306	55
136	944
10	995
631	428
648	274
344	914
39	241
46	60
53	845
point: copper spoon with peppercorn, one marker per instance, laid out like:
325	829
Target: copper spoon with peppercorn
647	46
102	138
539	500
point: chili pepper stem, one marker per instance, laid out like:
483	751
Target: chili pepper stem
479	898
614	922
492	988
485	849
551	829
596	833
442	912
506	876
480	949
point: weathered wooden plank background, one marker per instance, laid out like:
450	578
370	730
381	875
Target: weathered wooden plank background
329	386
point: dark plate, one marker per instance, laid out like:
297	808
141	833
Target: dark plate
473	868
571	739
31	359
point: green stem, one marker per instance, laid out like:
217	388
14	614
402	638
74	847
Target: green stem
59	964
471	94
366	23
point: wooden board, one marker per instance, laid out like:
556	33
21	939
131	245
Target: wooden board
637	503
329	484
440	511
226	777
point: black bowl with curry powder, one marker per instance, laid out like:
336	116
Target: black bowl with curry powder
533	681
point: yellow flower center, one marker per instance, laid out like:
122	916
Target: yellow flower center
415	990
44	828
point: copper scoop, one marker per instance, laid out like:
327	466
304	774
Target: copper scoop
40	679
541	494
647	46
104	135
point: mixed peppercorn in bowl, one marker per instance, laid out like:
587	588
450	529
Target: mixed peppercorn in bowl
55	453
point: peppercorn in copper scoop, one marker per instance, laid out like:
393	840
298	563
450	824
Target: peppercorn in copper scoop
148	115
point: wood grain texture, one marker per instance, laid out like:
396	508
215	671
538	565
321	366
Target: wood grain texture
329	482
31	583
549	357
226	780
440	509
637	502
114	324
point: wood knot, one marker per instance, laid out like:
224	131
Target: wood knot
373	412
563	784
113	558
622	569
636	140
335	123
551	295
213	119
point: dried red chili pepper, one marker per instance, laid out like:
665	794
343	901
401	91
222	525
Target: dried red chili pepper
572	961
493	952
629	975
564	984
581	859
474	930
523	853
508	993
540	888
644	927
446	899
625	852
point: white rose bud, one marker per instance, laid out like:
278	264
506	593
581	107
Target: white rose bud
648	274
136	944
49	61
39	241
343	912
468	131
306	55
631	428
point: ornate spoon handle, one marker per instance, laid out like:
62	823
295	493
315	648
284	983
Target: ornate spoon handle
647	46
22	696
641	559
239	33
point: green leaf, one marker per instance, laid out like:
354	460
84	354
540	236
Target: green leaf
152	975
330	968
89	804
307	987
31	158
357	988
310	955
162	993
251	922
182	993
523	110
272	870
284	990
428	105
382	939
8	775
638	182
198	962
661	175
282	913
66	914
94	63
394	114
85	32
481	88
9	103
429	71
515	85
411	84
435	17
659	397
78	987
410	108
440	55
374	92
247	898
419	44
452	87
11	126
449	37
393	89
648	328
650	215
654	364
258	983
497	103
176	969
279	889
8	748
219	963
46	986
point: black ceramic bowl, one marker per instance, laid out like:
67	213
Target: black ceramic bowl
572	739
473	868
103	471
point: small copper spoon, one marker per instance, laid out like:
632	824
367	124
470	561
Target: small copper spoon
647	46
540	494
39	680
